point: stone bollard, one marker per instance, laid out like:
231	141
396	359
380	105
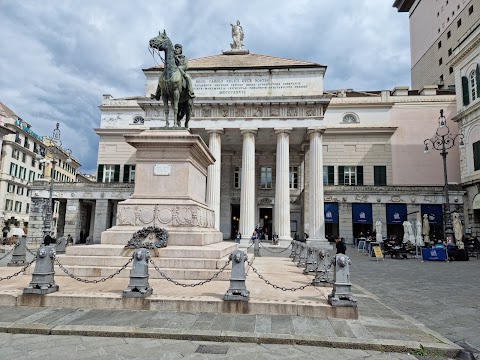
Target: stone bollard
138	286
256	247
322	271
237	290
43	281
302	260
294	248
311	263
19	256
342	288
60	245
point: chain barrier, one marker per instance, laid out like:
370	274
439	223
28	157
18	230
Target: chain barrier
74	277
30	251
188	285
274	252
283	288
19	272
9	252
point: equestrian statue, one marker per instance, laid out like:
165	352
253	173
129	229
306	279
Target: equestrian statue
174	84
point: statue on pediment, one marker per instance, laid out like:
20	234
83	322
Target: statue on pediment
237	36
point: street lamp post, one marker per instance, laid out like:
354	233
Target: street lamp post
442	141
53	148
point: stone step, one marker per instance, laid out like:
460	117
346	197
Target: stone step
117	261
211	251
175	274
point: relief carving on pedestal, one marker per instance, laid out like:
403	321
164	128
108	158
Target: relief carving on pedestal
206	112
310	111
224	112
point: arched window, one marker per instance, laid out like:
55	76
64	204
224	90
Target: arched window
473	84
350	118
138	120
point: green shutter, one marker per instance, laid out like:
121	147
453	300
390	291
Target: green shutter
466	95
476	156
331	175
380	175
116	174
359	175
341	177
126	172
477	78
100	173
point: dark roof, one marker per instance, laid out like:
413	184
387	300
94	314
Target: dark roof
403	5
244	61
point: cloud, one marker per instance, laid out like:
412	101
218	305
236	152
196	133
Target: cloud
59	57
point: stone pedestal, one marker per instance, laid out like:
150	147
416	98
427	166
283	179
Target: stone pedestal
170	186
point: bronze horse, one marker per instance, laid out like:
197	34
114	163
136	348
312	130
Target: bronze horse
171	85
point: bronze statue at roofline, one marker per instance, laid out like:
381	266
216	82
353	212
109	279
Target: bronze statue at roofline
174	84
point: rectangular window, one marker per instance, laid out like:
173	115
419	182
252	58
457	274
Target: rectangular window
15	154
440	61
380	175
31	175
128	173
450	70
8	204
27	208
439	44
24	157
350	175
20	173
108	173
12	169
470	10
11	188
293	175
449	34
19	190
266	177
459	23
476	156
237	177
450	52
18	206
328	175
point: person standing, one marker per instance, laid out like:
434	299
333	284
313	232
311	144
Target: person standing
340	245
47	240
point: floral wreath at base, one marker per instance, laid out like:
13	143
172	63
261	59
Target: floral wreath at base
136	242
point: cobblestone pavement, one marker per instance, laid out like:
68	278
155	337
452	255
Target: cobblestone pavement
54	347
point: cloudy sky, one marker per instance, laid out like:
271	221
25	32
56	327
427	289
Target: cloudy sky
58	57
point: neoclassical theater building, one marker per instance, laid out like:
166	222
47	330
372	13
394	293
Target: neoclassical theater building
290	156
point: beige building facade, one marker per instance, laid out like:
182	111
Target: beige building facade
466	62
291	157
436	29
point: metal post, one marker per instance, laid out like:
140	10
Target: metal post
442	141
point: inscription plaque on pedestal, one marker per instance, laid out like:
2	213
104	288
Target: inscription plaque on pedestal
161	169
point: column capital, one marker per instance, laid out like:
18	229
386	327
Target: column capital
315	130
249	131
220	131
282	130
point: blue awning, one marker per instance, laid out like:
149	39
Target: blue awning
434	212
331	212
396	213
362	213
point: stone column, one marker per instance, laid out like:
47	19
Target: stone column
101	219
317	218
282	187
247	192
73	224
214	173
